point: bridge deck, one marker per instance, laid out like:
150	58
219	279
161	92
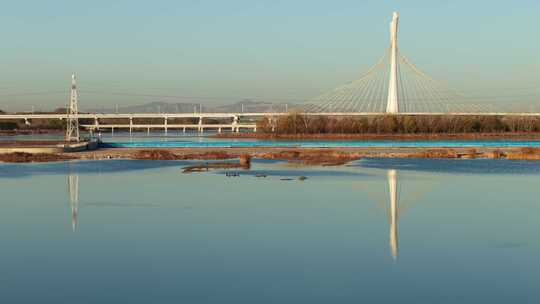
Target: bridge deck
170	126
23	116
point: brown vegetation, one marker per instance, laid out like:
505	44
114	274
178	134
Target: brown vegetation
208	155
398	136
154	155
296	123
244	163
21	157
495	154
435	153
312	157
525	154
245	160
163	154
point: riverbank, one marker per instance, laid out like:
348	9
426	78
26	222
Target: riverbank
30	132
23	157
307	156
44	151
315	156
43	147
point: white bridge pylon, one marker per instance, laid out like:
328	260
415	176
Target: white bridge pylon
392	106
393	85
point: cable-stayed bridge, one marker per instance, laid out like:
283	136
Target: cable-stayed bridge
392	86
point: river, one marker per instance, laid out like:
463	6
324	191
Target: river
373	231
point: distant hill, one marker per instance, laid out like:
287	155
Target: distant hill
165	107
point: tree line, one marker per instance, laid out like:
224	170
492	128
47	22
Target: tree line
297	123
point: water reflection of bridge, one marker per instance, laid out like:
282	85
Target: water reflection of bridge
396	201
394	207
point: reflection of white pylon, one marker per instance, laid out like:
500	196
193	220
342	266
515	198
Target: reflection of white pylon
395	201
392	187
73	191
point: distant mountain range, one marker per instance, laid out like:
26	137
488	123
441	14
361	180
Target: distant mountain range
165	107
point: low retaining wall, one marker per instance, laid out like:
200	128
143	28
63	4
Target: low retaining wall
82	146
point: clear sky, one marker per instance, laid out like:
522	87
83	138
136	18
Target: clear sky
275	50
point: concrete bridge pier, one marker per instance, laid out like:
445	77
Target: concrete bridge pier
166	126
130	125
235	127
273	123
200	128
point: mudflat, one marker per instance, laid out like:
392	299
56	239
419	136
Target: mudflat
315	156
324	156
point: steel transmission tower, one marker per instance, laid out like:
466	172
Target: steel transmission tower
392	102
72	128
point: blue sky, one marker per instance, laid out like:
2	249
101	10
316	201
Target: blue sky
275	50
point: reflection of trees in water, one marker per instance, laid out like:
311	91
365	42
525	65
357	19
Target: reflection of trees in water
73	192
394	200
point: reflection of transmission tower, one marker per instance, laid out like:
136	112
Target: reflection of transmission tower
73	191
72	128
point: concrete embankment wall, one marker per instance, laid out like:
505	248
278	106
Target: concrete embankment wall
78	147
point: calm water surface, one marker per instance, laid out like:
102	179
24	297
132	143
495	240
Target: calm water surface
190	140
376	231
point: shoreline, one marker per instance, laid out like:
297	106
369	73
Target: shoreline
47	150
307	156
30	132
312	155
